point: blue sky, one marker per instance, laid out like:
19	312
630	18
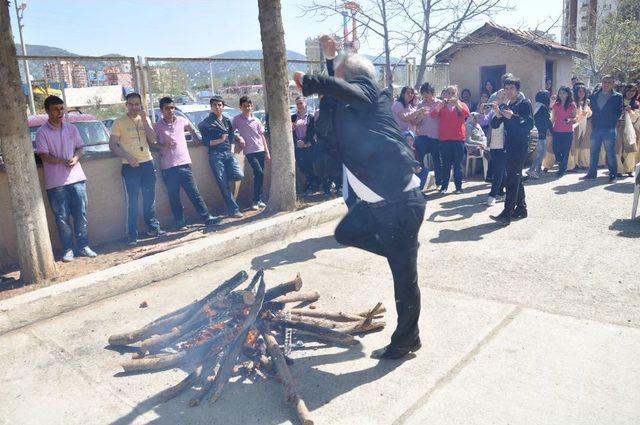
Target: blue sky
194	27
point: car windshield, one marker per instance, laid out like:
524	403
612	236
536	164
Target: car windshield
196	117
93	133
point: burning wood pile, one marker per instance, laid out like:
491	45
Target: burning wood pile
231	333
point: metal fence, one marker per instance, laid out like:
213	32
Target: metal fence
98	85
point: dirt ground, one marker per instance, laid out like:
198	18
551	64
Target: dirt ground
117	252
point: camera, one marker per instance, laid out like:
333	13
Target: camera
503	106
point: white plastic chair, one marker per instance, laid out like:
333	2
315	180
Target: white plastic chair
636	194
471	159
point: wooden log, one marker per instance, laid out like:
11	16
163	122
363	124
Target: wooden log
284	288
362	327
286	378
325	334
372	313
228	359
154	362
329	324
329	315
298	297
170	320
381	310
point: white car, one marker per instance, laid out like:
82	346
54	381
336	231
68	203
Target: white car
199	111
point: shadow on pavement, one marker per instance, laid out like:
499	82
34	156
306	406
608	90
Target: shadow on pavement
264	402
461	209
468	234
580	186
626	187
295	252
626	228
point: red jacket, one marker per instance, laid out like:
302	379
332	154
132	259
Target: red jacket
452	123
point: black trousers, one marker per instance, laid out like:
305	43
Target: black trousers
515	159
178	177
452	152
427	145
390	229
498	160
256	160
304	161
561	149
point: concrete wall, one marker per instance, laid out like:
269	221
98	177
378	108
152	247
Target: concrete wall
525	63
107	212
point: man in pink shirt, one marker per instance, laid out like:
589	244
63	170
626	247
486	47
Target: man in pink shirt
255	147
60	147
175	163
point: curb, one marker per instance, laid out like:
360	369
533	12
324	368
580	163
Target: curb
51	301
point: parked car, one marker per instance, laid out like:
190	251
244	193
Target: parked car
108	123
95	135
199	111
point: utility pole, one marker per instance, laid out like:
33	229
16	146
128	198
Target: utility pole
19	14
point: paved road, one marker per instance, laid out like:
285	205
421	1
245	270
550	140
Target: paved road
537	323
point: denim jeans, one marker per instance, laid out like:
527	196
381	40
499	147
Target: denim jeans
256	161
452	152
140	179
226	169
498	160
66	202
390	229
608	137
304	162
182	177
427	145
541	152
561	149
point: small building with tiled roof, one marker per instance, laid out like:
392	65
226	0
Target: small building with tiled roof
492	50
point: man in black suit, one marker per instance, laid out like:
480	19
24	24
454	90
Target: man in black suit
380	170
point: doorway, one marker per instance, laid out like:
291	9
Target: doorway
492	73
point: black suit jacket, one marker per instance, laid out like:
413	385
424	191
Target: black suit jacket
367	137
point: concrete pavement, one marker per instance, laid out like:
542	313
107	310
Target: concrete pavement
537	323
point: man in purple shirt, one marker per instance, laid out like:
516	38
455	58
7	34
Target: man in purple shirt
255	148
175	163
59	145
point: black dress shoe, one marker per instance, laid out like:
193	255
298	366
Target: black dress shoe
502	219
519	214
391	353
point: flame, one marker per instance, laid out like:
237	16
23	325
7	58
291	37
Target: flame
246	310
252	337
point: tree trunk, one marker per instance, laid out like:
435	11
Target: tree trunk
426	15
282	194
34	244
387	48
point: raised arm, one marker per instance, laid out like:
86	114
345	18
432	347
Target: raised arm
360	93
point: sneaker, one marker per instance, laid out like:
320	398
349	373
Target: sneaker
255	207
154	233
132	242
68	256
589	177
87	252
458	191
442	190
491	201
534	175
262	204
236	214
613	179
212	221
500	198
181	225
